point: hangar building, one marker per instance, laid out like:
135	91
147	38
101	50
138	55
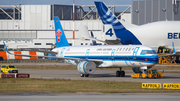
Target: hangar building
154	10
32	26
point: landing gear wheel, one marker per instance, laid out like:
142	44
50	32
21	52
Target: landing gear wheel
118	73
86	75
122	74
82	75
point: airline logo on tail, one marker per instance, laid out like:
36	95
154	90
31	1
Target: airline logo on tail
61	40
58	33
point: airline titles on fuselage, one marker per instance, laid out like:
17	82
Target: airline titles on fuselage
173	36
104	49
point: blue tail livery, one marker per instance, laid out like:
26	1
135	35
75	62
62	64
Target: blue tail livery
173	48
121	32
93	41
61	40
5	47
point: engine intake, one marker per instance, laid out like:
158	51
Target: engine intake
86	67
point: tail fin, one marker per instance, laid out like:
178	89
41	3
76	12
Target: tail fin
59	33
108	17
92	35
173	48
5	47
121	32
93	41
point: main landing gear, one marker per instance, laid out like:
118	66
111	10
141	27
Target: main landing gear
120	73
84	75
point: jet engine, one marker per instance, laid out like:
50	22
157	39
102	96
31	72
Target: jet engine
86	67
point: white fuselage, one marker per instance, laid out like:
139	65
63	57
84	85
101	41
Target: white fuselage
156	34
112	56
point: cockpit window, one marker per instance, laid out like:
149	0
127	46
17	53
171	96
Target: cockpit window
148	52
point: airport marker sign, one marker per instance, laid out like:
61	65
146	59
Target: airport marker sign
171	86
151	85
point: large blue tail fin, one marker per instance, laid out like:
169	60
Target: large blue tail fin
121	32
61	40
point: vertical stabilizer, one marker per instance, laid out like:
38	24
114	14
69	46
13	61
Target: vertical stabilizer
108	17
83	32
121	32
61	40
174	51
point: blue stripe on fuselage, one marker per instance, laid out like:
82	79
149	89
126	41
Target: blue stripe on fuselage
153	58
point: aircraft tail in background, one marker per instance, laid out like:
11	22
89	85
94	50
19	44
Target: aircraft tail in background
121	32
174	51
61	40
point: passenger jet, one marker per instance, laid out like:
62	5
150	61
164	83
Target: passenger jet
87	58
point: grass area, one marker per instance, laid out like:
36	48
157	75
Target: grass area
70	86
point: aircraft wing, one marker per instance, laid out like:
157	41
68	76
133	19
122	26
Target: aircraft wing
111	42
97	61
48	52
31	55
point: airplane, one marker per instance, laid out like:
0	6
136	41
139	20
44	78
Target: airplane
155	34
87	58
110	40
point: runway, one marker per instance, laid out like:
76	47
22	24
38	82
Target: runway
103	75
93	97
100	75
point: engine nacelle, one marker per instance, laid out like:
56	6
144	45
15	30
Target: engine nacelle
86	67
140	69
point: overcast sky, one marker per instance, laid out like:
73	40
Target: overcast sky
66	2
